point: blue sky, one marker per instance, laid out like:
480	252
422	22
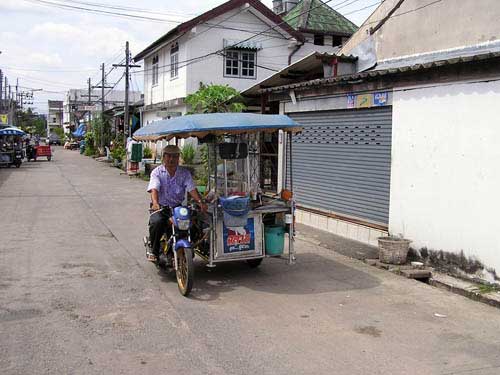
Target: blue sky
49	47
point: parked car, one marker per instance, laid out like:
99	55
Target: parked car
54	139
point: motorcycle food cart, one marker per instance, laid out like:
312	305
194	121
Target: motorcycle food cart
244	222
43	151
11	151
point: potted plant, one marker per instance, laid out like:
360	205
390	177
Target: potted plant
393	250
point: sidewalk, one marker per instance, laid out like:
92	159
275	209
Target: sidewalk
367	253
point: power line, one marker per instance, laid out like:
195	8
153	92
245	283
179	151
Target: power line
407	12
197	59
133	9
361	9
96	11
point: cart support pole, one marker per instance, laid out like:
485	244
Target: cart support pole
291	249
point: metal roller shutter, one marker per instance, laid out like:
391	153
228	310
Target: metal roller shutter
342	162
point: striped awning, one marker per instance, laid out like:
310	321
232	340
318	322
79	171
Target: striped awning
242	44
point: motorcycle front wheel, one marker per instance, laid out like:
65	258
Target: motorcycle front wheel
185	270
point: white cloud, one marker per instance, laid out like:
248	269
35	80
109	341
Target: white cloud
20	6
44	59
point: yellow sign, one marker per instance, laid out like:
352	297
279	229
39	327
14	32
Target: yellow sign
4	119
364	101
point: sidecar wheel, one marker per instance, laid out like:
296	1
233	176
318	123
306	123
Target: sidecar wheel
185	270
254	263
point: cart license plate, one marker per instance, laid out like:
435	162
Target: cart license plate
240	238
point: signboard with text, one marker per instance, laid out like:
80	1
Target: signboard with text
239	239
375	99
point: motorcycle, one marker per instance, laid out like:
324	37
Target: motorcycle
18	158
176	249
30	153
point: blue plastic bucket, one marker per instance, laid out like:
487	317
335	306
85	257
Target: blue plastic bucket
274	239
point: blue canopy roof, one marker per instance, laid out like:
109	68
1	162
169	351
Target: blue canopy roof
214	123
80	132
12	131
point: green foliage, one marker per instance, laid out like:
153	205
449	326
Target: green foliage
90	143
101	125
485	289
59	132
215	99
147	153
201	173
31	122
40	127
118	152
188	153
89	151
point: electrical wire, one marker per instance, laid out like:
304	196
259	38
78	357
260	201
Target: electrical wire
198	58
127	8
96	11
404	13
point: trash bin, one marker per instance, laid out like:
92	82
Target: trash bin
136	154
274	239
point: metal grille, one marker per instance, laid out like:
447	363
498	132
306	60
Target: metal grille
342	162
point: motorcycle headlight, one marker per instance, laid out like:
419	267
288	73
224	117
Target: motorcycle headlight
183	224
183	211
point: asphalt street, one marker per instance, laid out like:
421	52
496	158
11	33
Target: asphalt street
77	296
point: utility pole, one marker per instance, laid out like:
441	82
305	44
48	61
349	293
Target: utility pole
102	87
89	97
127	66
126	120
90	91
1	90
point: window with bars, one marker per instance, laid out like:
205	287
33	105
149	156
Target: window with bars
155	70
174	61
240	64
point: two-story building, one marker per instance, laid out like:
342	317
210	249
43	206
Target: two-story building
55	116
238	43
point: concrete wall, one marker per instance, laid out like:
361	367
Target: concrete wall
445	169
443	25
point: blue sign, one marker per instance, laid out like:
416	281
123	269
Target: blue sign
351	101
240	238
380	98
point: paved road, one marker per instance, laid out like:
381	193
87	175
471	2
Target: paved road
78	297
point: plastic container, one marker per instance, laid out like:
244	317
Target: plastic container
274	238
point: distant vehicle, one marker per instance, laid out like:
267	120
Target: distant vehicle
53	139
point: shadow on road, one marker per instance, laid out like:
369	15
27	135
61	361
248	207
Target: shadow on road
313	274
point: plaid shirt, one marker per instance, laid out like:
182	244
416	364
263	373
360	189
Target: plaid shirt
171	190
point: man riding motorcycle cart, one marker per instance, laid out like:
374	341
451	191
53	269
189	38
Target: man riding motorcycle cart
168	185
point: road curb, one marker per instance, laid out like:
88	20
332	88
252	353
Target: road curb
492	299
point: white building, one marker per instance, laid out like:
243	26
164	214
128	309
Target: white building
77	107
237	43
55	116
406	142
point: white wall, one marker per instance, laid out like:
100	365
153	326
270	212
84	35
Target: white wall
309	47
445	178
167	88
274	54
